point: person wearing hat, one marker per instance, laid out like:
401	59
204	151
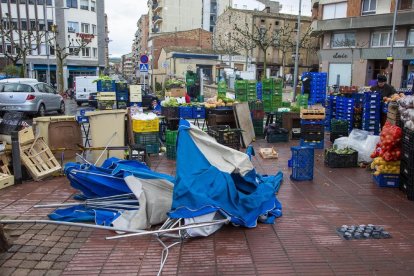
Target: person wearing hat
383	87
386	90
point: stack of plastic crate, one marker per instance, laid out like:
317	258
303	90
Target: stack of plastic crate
257	112
372	112
302	100
171	143
339	128
359	107
312	133
271	94
407	163
345	110
330	108
318	87
251	90
222	89
122	95
240	88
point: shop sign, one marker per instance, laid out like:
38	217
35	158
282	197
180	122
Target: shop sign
87	37
338	55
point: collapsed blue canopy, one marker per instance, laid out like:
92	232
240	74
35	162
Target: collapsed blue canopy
108	180
211	177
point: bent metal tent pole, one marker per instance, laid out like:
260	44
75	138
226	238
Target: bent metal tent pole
76	224
188	226
87	202
107	145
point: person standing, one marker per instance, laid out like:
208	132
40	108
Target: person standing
386	91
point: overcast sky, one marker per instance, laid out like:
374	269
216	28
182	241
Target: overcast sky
124	14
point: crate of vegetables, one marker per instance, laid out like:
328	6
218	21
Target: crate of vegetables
341	158
225	135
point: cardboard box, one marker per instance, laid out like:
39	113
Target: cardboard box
135	98
176	92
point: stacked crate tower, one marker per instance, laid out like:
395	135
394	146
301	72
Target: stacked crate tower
345	110
122	95
251	90
171	143
272	94
222	89
372	112
257	113
146	134
240	88
330	110
106	96
312	133
407	163
318	87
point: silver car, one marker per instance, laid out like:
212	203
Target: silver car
29	96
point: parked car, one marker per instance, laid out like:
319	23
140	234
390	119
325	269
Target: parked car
29	96
84	86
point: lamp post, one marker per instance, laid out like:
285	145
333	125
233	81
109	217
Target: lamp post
296	72
390	55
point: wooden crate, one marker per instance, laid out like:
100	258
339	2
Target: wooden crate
106	96
26	135
4	164
268	153
312	114
39	159
6	180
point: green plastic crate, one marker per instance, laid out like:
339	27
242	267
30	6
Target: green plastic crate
241	98
285	104
302	100
255	105
240	85
152	148
171	137
267	84
171	152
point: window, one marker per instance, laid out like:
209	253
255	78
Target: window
40	87
93	6
49	3
1	48
42	49
31	2
10	49
84	4
381	39
369	7
51	50
72	4
73	51
85	28
50	24
73	27
40	2
41	23
411	37
93	29
95	52
35	52
86	52
332	11
14	24
32	24
343	40
17	87
22	1
23	22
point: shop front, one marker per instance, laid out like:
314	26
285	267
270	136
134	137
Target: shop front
75	71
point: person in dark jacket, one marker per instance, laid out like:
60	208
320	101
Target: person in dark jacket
383	87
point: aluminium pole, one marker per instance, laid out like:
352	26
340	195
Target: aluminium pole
46	42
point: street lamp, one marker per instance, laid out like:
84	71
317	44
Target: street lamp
296	72
47	35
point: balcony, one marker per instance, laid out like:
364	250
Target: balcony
156	19
156	6
363	22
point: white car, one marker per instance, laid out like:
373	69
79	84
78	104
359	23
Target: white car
29	96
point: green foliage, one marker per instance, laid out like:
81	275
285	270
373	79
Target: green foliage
174	83
11	71
103	78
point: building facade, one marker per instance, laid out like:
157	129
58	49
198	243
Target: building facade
357	39
277	59
140	45
128	67
183	15
68	21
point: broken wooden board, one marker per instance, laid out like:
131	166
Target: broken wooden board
244	122
268	153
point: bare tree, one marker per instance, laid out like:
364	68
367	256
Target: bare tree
22	43
245	44
259	36
73	47
225	44
351	44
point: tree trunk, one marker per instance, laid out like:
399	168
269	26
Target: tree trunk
59	75
283	64
24	67
264	63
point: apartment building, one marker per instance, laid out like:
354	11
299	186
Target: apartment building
128	67
276	59
357	39
140	44
70	20
183	15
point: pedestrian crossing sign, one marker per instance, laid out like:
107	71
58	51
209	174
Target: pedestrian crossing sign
143	67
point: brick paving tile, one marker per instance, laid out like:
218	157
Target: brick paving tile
37	272
302	242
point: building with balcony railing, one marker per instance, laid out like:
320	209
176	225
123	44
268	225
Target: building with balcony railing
356	39
67	21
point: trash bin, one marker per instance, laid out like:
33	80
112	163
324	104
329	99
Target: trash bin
103	125
41	125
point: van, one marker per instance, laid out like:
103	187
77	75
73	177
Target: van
84	85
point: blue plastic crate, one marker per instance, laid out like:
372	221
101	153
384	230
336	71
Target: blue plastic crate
106	86
315	145
387	180
185	112
122	96
312	122
371	95
302	163
371	116
199	112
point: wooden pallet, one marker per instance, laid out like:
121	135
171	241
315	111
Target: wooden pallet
312	114
268	153
6	180
39	159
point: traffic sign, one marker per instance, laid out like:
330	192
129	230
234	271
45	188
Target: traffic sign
143	67
144	59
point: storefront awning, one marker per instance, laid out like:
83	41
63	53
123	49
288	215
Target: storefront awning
82	68
44	67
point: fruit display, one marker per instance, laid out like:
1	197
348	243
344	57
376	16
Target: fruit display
383	167
394	98
219	102
406	109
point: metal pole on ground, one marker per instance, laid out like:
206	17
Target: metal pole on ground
296	72
17	165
